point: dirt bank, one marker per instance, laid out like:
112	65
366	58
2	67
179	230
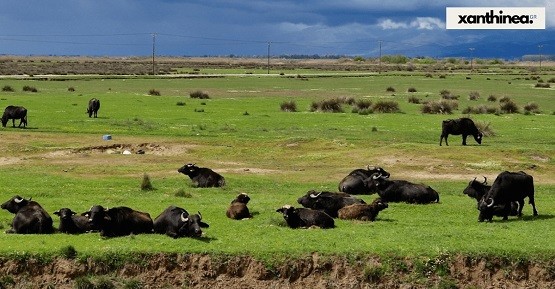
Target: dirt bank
238	272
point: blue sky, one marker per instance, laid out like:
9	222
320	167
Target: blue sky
244	28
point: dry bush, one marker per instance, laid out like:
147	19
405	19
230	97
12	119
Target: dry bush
28	88
386	106
414	99
492	98
509	106
289	106
543	85
485	128
440	107
71	89
474	95
390	89
411	89
146	184
7	88
154	92
480	109
199	94
363	104
504	99
531	107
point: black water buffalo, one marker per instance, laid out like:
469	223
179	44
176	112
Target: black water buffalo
508	187
464	126
363	212
119	221
176	222
353	183
30	217
305	218
94	106
13	113
238	209
327	202
71	223
202	177
403	191
477	190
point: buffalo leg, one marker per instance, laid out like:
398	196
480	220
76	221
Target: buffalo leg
464	139
533	203
520	206
441	139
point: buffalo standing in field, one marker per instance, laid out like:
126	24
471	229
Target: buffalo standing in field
119	221
354	184
477	190
464	126
305	218
94	106
13	113
71	223
238	209
363	212
327	202
30	217
508	187
403	191
202	177
176	222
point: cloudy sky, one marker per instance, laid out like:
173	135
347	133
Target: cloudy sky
244	28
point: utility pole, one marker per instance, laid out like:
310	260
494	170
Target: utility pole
153	52
269	43
380	59
471	58
540	50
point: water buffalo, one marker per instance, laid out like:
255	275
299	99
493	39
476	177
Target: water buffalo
176	222
477	190
71	223
238	209
202	177
13	113
119	221
363	212
305	218
403	191
464	126
30	217
508	187
93	107
327	202
353	183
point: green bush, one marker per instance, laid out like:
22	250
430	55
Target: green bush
289	106
7	88
146	184
28	88
385	106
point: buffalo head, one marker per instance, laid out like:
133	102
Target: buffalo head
15	204
192	225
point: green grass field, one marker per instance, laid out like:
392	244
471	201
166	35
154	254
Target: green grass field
60	160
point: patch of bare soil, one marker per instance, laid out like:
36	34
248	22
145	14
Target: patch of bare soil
238	272
143	148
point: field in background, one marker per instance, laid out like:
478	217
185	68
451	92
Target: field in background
61	160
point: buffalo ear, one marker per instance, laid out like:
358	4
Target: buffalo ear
280	210
57	213
203	225
86	214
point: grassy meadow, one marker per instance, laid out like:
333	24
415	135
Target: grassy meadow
60	160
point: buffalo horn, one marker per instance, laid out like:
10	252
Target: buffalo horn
183	219
368	167
18	200
315	196
490	204
485	180
199	215
376	176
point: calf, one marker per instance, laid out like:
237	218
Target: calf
363	212
119	221
13	113
94	106
30	217
327	202
305	218
202	177
238	209
508	187
403	191
71	223
353	183
176	222
464	126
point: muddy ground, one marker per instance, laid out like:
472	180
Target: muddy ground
238	272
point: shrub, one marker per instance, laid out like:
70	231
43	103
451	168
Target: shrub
504	99
146	184
199	94
386	106
390	89
28	88
154	92
7	88
373	274
71	89
414	99
363	104
332	104
181	193
83	283
411	89
440	107
543	85
180	103
485	128
289	106
509	107
68	252
492	98
551	80
474	95
532	107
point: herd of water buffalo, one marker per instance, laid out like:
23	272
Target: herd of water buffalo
504	198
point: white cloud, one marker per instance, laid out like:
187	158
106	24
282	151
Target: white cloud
420	23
